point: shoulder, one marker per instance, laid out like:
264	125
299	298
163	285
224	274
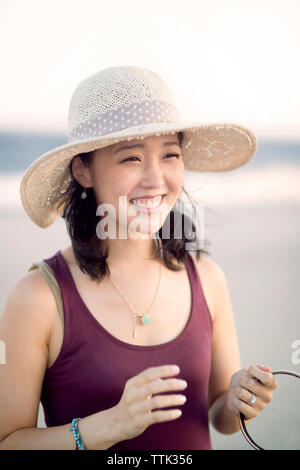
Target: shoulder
30	302
210	268
24	329
213	281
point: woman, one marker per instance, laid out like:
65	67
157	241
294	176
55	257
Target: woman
131	333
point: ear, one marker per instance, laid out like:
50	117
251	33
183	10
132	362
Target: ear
81	172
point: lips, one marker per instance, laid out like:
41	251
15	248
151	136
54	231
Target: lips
147	202
148	205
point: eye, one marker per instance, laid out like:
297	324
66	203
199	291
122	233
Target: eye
177	155
128	159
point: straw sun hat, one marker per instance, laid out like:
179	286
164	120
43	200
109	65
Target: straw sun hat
123	103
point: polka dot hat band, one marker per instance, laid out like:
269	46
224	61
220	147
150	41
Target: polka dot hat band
123	103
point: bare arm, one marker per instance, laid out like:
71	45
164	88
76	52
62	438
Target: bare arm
225	359
93	430
25	327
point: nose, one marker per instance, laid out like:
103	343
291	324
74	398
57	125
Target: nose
153	175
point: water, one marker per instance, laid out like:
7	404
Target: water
19	150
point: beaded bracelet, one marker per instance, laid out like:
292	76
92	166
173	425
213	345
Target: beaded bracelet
75	429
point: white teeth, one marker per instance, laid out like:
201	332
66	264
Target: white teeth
149	203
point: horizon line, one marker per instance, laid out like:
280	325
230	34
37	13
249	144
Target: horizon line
60	132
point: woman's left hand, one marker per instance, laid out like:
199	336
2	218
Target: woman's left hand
256	380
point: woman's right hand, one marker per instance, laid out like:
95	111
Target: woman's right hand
135	411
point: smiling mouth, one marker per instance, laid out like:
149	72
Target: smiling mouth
148	205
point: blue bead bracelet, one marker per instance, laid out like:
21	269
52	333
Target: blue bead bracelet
74	428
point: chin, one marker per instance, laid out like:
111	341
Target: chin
144	229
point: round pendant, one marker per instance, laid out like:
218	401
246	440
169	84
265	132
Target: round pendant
145	319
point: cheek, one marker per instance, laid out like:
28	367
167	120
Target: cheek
175	179
108	185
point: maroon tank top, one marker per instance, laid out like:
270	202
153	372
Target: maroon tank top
92	367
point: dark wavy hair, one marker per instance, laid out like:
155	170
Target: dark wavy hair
90	251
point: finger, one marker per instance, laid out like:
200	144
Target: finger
160	416
269	369
149	389
159	401
266	378
266	368
259	390
245	395
248	411
249	382
152	373
156	386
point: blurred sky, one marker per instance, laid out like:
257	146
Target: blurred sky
224	60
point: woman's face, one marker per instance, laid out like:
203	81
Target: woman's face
149	173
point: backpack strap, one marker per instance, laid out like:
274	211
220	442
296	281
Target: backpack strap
49	277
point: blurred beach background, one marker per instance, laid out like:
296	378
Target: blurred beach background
220	68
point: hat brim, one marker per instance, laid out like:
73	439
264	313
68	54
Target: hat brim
205	147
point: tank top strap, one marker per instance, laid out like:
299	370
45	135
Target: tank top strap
49	277
197	289
74	321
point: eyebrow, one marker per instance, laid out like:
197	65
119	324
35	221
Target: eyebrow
132	146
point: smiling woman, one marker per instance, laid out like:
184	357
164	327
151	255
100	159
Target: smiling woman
80	214
98	332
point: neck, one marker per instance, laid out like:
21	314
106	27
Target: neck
130	255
